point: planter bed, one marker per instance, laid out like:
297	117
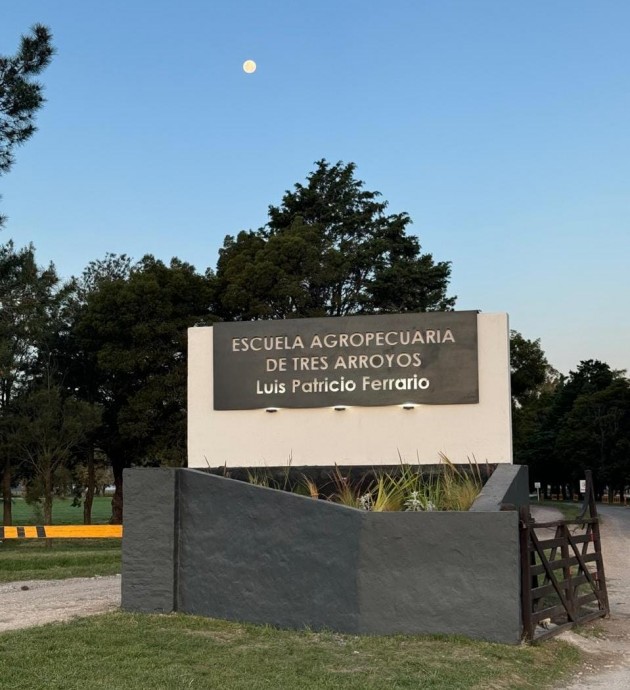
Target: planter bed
208	545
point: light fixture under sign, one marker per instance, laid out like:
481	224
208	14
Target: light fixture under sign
339	408
408	406
271	409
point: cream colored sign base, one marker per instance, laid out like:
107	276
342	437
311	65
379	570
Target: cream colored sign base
354	435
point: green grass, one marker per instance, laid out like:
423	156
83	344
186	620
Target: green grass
570	510
64	513
36	560
54	559
119	651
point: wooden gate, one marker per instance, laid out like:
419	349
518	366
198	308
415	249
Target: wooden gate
562	571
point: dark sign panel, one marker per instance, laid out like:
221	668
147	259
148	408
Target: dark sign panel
428	358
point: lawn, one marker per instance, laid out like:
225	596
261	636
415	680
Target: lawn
569	509
52	559
120	650
64	513
35	559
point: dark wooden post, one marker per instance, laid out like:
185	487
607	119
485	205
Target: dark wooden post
597	541
526	574
566	574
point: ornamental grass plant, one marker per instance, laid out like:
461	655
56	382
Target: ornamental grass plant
408	489
405	488
458	488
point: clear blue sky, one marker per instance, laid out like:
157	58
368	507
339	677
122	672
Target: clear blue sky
501	126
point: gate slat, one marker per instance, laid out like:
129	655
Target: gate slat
555	523
547	544
550	574
561	563
585	570
545	590
573	606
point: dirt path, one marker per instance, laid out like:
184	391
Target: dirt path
35	602
607	642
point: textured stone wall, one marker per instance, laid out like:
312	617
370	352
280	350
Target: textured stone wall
249	553
266	556
149	555
507	486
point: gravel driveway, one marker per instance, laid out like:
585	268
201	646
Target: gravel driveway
608	652
35	602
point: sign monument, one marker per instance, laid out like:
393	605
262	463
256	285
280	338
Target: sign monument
410	386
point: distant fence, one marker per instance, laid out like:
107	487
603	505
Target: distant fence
62	532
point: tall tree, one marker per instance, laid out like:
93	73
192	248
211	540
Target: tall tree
534	383
46	426
31	298
529	368
576	423
80	364
330	249
132	332
592	413
21	95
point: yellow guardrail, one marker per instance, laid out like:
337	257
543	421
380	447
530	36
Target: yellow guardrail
62	532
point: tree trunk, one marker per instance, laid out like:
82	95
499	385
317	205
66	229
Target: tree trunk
117	500
89	493
7	506
48	497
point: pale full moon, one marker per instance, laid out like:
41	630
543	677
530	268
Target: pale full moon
249	66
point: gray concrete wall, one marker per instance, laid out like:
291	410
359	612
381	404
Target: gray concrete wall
149	554
508	486
265	556
254	554
449	573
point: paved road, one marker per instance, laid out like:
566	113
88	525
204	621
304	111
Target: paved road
608	657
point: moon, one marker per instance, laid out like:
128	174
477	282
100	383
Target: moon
249	66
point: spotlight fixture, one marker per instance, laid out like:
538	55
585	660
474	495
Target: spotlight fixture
271	409
339	408
408	406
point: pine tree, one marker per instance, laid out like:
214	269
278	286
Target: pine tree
21	96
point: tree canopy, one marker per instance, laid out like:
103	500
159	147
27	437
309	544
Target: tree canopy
576	423
126	350
529	368
329	249
94	370
21	96
31	300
